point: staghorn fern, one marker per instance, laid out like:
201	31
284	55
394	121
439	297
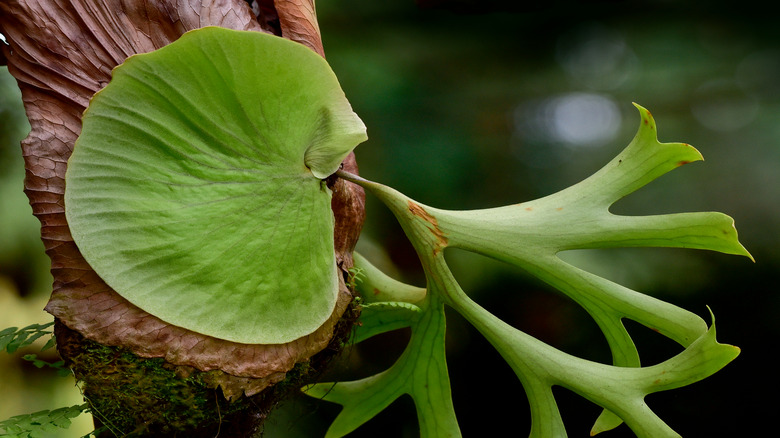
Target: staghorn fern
530	235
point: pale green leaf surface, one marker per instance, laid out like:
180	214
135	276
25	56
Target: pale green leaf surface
377	318
389	301
376	286
420	371
531	234
195	187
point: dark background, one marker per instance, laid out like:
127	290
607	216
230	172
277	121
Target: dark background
475	104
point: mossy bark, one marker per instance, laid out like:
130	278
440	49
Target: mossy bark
131	396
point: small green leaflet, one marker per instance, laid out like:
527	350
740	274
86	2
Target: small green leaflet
13	338
40	424
195	189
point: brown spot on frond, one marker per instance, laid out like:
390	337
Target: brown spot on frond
440	239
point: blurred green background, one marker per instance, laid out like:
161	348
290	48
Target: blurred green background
25	282
476	104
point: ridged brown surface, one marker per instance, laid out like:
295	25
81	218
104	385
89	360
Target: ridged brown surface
298	21
62	52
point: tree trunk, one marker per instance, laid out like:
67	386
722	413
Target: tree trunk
140	375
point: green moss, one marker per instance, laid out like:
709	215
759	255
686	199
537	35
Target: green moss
134	396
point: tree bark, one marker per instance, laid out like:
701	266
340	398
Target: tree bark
141	375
